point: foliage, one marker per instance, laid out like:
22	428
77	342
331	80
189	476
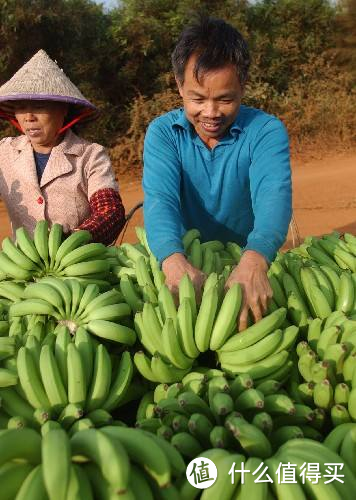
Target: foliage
120	60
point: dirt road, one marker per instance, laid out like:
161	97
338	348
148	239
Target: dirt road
324	198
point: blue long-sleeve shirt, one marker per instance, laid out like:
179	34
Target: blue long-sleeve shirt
238	191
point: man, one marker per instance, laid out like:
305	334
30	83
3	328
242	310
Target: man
217	166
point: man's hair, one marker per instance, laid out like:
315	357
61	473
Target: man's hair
216	44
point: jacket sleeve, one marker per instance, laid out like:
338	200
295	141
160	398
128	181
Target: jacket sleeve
271	191
161	185
107	216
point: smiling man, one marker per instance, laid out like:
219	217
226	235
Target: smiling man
218	166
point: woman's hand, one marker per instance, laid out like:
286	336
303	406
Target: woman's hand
251	273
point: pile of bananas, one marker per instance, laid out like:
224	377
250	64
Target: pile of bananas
113	462
48	254
72	380
73	305
207	409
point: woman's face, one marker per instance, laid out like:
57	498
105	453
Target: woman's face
41	121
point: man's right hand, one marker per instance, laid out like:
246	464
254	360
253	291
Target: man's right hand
175	267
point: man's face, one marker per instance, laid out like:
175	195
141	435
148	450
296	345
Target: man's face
40	121
213	104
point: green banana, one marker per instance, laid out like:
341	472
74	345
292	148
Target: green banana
120	384
56	450
77	387
205	318
51	379
252	440
172	348
54	242
225	322
30	380
40	239
26	245
185	328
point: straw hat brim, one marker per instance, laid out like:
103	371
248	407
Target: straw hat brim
77	106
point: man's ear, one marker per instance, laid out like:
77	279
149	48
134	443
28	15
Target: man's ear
180	86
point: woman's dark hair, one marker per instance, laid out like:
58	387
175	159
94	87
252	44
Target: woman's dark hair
216	44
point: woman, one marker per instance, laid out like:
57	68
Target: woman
49	172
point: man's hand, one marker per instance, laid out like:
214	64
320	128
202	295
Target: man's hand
251	273
175	267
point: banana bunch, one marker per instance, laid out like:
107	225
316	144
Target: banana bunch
71	304
262	349
64	378
342	440
119	462
47	254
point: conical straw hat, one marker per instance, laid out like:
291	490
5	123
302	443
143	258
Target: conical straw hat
42	79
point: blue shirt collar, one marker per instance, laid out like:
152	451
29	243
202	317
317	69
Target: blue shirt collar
183	122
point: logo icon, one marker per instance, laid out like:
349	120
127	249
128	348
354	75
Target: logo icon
201	473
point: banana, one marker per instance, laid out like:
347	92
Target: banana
112	331
323	394
195	254
90	293
77	388
179	423
121	383
17	422
61	348
45	292
297	310
234	250
26	245
225	322
151	334
133	252
85	346
277	404
142	272
41	416
189	237
240	383
200	426
79	487
348	449
17	255
40	239
7	378
250	399
12	291
222	404
76	291
192	403
130	294
100	417
352	404
63	289
252	440
284	434
341	394
86	268
84	253
139	484
346	296
339	415
327	337
75	240
185	328
187	445
166	373
187	291
263	421
256	332
324	285
145	451
54	242
107	452
13	404
30	380
205	318
322	258
159	277
314	332
172	347
278	293
143	365
291	285
56	450
260	369
149	294
260	350
33	487
336	354
9	268
31	306
283	489
104	299
20	444
51	379
166	305
80	425
70	414
349	367
305	365
317	300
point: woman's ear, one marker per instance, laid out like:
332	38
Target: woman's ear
179	85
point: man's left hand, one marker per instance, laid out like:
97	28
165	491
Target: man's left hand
251	273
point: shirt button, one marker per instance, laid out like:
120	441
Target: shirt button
40	200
